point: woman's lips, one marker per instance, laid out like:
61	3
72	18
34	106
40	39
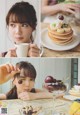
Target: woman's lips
18	37
26	90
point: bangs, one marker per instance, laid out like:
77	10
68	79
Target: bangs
22	12
18	18
25	73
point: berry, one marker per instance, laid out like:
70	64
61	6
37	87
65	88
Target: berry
61	17
48	79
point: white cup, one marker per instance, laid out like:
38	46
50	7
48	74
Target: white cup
22	49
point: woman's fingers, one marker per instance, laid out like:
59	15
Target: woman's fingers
11	53
34	51
9	67
70	8
24	96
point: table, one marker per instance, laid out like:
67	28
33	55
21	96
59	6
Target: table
13	106
75	52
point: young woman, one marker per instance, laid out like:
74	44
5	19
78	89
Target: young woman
52	7
24	81
21	21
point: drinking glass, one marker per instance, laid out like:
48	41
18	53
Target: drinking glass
56	94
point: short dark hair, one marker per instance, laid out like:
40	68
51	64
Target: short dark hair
22	12
26	69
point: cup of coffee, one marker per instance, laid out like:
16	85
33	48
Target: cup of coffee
22	49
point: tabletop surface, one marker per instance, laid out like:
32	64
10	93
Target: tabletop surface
60	105
75	52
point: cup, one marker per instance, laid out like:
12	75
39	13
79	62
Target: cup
22	49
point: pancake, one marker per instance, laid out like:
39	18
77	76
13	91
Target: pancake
61	37
59	34
60	42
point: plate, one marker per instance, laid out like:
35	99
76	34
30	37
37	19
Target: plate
48	43
70	97
74	93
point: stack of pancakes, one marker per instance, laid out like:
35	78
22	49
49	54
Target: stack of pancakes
61	36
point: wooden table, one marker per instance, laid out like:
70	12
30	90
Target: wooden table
75	52
60	105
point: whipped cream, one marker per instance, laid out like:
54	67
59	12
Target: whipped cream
57	24
77	88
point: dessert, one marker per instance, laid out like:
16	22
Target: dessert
52	84
60	32
29	110
75	90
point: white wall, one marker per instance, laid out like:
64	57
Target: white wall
58	68
5	42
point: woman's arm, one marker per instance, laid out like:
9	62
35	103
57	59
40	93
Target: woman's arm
2	96
47	9
61	7
40	94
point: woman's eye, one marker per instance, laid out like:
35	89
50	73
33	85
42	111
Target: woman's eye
12	25
21	81
25	25
31	79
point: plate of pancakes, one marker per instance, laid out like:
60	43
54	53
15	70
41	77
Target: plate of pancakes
74	93
59	41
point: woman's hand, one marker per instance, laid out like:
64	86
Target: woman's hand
11	53
69	7
56	8
26	96
34	51
7	71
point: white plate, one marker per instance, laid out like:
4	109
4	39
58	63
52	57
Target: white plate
70	97
74	93
48	43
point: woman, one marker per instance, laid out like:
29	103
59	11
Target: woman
21	21
24	81
52	7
